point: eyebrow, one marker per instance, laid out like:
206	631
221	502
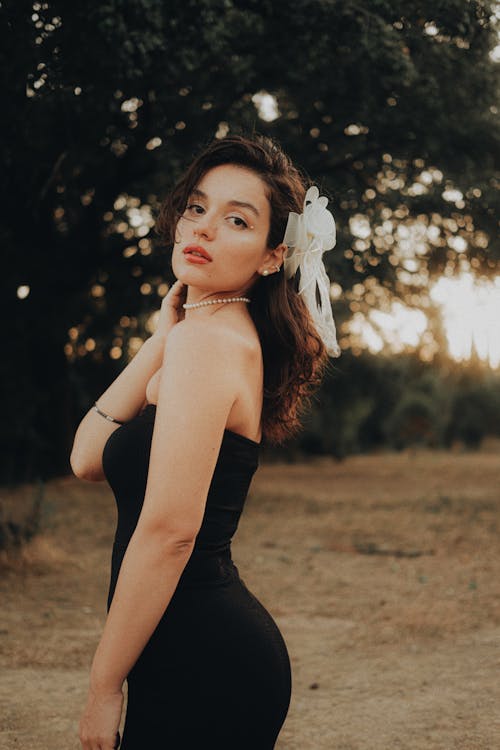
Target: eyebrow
241	204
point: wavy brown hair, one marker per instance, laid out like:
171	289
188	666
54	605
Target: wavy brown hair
295	358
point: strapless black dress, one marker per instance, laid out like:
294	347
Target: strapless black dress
216	671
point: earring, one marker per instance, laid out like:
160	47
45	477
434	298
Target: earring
265	272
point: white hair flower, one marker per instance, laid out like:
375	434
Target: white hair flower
308	235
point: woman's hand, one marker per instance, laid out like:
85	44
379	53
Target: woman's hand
98	729
171	311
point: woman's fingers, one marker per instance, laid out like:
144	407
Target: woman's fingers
177	286
171	311
98	728
176	291
99	743
110	744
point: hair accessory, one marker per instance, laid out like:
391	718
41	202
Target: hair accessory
106	416
308	235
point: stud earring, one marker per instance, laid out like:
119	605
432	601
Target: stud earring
266	272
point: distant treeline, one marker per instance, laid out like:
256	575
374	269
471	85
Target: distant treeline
368	402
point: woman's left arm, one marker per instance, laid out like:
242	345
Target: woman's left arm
197	389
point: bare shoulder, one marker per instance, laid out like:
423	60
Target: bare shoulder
197	339
206	354
211	347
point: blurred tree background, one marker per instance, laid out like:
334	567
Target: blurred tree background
391	107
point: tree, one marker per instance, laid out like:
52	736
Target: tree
103	105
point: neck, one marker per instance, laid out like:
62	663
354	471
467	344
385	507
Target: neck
211	302
195	294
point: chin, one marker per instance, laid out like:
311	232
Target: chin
184	273
186	278
190	278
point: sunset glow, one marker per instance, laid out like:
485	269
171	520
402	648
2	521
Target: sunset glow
470	311
395	330
471	316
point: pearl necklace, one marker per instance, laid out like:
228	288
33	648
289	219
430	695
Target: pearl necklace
189	306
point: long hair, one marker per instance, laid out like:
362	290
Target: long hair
295	358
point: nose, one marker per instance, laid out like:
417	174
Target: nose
205	228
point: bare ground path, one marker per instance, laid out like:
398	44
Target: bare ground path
382	572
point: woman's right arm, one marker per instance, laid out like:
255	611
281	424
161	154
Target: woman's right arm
126	395
122	400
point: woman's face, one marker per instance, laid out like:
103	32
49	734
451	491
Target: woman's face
228	217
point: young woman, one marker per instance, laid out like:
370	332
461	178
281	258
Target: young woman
236	354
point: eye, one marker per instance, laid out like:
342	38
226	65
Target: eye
194	208
239	222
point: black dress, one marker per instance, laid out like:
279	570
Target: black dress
216	671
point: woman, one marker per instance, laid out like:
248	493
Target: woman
235	357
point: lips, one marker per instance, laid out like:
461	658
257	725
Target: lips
196	249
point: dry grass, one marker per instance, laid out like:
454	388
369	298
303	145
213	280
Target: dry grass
382	572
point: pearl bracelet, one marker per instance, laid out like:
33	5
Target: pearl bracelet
106	416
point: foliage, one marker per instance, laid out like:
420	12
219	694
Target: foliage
397	402
105	102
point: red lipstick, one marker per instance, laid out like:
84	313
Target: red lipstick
193	253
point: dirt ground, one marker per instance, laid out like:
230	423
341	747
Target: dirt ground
382	571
